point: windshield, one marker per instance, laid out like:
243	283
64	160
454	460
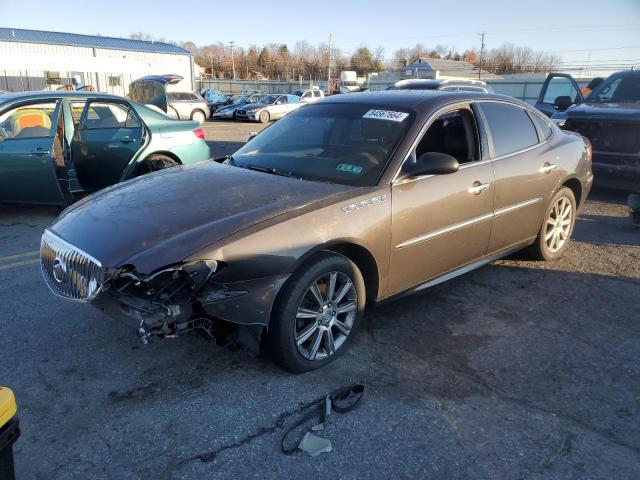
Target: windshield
339	143
267	99
617	88
239	99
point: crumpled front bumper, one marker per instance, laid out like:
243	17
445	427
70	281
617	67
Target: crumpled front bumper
247	302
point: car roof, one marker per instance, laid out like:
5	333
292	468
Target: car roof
414	82
417	99
55	94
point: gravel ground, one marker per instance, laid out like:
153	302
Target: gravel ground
516	370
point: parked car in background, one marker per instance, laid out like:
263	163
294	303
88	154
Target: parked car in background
188	105
353	200
152	90
215	99
269	107
56	146
310	95
229	111
214	95
442	85
609	117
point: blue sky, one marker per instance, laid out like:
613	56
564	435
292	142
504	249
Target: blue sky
575	30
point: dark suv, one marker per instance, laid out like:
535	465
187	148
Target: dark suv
609	117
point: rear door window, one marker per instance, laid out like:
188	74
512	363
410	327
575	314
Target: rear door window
102	115
510	126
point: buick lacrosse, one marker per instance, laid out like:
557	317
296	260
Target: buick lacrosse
344	203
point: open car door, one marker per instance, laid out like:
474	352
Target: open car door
32	154
108	137
559	91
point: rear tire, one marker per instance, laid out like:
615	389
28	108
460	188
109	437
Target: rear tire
198	116
309	330
555	233
264	116
153	163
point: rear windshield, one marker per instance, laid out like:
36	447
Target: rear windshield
338	143
618	88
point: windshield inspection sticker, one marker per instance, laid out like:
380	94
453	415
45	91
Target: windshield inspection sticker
386	115
346	167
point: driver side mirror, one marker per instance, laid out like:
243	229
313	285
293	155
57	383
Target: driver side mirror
431	163
562	102
252	135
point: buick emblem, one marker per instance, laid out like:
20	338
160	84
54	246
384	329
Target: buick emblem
59	270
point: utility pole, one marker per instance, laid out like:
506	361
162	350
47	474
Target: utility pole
233	63
329	66
481	55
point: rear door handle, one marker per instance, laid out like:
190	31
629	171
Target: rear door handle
40	151
127	139
548	167
478	187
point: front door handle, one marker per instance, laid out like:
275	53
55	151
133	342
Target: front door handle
478	187
548	167
40	151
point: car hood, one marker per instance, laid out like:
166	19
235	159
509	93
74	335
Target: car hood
255	106
161	218
613	111
233	106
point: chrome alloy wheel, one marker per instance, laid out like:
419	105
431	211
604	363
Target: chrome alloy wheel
558	224
325	315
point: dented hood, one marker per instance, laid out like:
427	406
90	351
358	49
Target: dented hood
161	218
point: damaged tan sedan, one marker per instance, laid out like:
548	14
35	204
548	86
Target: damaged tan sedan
344	203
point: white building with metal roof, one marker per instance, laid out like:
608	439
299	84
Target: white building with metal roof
36	60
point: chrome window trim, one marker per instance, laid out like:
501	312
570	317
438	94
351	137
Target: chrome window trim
527	110
453	106
467	223
425	127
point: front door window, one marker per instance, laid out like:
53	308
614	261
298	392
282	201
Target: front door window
29	121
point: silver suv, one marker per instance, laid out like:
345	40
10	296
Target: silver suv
310	95
187	105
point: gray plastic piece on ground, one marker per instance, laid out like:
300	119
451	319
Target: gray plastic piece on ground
314	445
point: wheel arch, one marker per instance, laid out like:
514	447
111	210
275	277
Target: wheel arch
135	164
576	187
364	260
199	110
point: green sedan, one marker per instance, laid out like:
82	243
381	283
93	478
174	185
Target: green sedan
57	146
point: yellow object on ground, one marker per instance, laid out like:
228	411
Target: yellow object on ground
8	407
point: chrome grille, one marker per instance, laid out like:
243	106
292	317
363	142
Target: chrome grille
68	271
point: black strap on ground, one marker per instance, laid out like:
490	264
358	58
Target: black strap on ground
342	400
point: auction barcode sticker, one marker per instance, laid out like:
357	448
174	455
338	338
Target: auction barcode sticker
386	115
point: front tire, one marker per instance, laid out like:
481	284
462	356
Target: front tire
264	116
317	315
555	233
